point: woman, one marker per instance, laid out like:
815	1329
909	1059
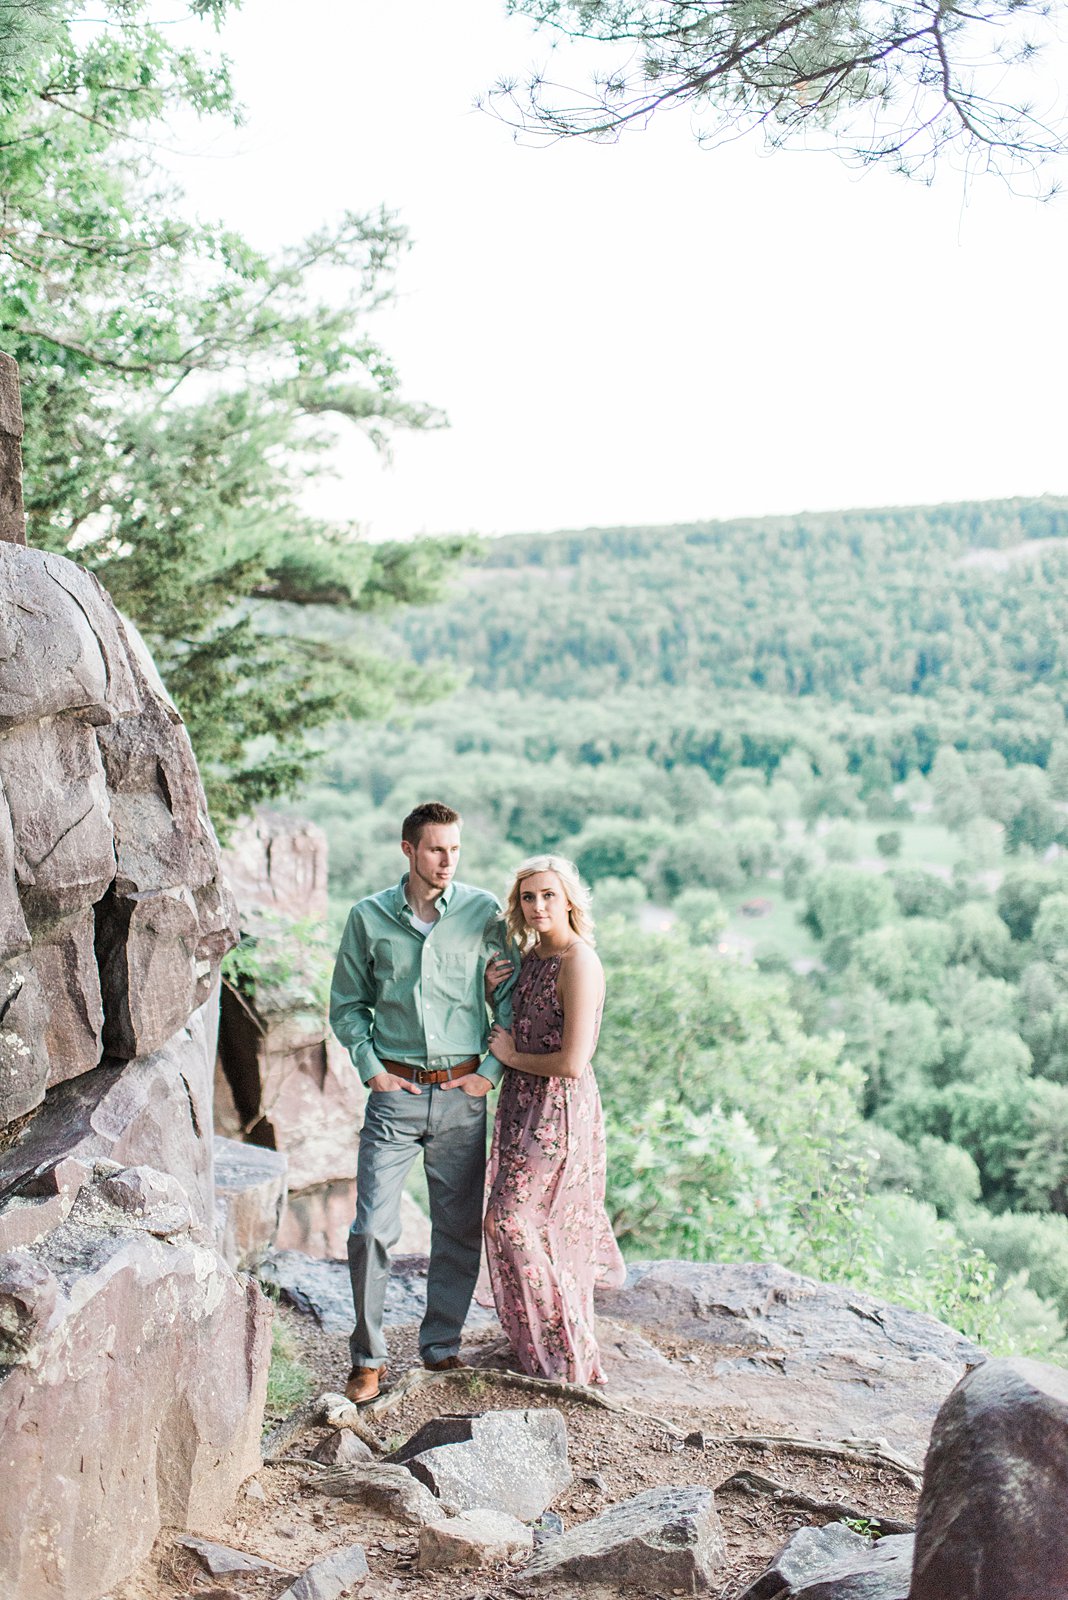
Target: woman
548	1238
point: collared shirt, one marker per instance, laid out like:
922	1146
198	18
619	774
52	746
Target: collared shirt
402	995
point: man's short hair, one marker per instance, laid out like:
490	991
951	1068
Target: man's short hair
424	816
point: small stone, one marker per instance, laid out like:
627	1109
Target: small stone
341	1448
696	1440
254	1490
381	1487
595	1481
330	1578
218	1559
477	1538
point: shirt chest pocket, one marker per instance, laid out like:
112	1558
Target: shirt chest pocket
456	977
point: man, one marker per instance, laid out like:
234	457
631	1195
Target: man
408	1000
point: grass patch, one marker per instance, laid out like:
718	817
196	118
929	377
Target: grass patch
289	1381
778	929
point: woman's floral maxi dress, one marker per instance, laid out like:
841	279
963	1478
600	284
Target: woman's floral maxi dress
549	1239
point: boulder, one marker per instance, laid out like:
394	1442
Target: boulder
335	1575
514	1461
385	1488
988	1525
250	1191
477	1538
663	1541
131	1394
834	1563
798	1356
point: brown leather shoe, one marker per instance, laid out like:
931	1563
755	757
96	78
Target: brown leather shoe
363	1384
450	1364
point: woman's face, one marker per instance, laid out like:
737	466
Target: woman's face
545	906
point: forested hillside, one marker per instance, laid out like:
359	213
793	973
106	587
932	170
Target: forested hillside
816	769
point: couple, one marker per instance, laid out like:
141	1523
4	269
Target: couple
415	969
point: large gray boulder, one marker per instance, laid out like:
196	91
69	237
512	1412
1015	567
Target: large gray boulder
664	1541
989	1525
514	1461
132	1379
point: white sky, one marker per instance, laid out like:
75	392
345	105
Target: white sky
643	332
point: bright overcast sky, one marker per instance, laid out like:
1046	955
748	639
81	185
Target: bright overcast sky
641	332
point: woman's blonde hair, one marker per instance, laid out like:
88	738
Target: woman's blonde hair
578	899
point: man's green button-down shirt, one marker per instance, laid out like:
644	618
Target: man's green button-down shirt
402	995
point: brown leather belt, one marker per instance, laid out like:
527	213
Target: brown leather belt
400	1069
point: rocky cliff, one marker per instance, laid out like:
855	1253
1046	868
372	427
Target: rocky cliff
132	1360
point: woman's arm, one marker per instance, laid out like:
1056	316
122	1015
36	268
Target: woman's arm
581	991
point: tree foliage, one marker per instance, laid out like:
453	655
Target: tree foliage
898	81
178	387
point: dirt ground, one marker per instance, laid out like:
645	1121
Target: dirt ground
280	1517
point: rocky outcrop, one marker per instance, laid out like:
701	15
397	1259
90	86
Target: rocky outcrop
283	1080
134	1371
132	1360
791	1355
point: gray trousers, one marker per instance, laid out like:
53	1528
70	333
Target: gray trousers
450	1128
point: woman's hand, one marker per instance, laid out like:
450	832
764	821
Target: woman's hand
497	970
502	1045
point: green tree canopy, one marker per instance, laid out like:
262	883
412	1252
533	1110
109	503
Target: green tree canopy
175	382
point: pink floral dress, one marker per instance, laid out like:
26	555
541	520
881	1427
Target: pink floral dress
549	1239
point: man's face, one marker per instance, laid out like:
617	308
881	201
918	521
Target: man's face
432	861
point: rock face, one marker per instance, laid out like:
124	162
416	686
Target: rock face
797	1356
988	1526
665	1541
133	1383
132	1361
283	1080
113	913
